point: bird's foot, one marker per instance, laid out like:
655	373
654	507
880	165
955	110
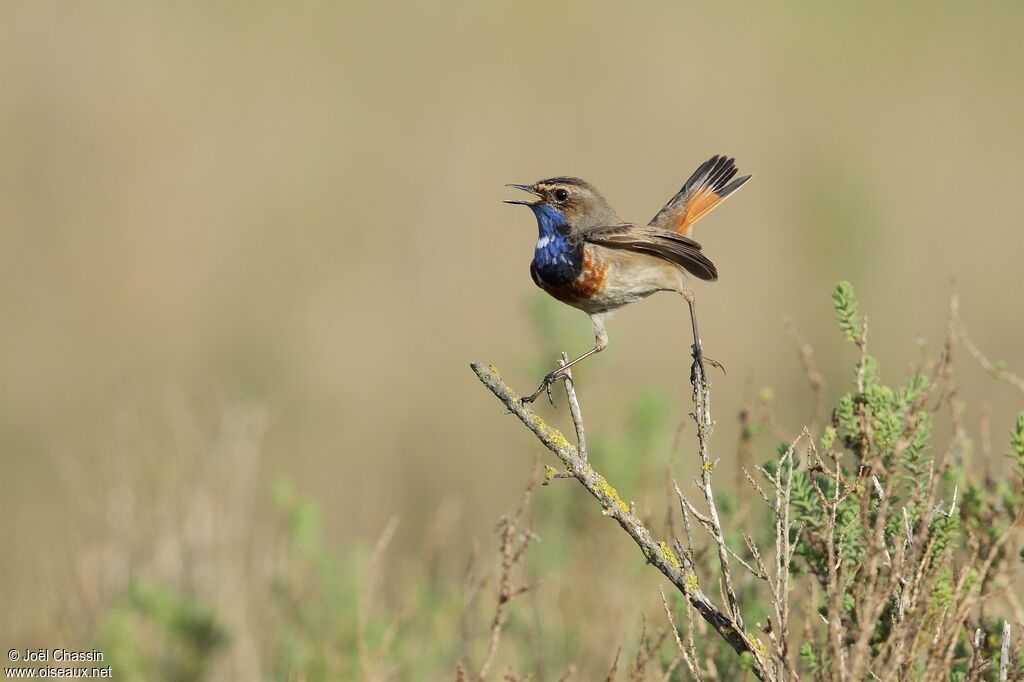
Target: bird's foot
697	368
545	387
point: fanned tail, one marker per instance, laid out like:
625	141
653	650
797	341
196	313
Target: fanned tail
707	187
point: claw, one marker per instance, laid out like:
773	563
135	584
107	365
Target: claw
551	398
697	368
545	387
715	363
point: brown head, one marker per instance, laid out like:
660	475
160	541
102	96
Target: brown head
576	201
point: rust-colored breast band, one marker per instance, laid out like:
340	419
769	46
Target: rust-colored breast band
587	285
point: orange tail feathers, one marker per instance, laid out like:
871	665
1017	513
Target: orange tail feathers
707	187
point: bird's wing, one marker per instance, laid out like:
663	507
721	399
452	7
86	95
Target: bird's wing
671	246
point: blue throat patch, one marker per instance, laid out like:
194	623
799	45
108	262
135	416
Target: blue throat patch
556	261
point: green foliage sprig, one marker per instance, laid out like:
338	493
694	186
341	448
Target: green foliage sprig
845	304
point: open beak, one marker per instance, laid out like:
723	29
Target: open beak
524	202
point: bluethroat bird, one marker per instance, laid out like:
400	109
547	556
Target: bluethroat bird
589	258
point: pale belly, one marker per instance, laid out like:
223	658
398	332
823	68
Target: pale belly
629	288
631	277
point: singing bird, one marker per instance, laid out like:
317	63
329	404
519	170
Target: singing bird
587	257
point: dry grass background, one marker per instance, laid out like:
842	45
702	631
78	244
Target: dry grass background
297	208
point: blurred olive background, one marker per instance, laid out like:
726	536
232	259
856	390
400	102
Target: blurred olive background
296	208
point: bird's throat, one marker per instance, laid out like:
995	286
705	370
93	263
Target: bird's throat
555	259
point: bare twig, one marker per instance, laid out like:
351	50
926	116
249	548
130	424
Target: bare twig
514	544
645	652
691	664
756	486
574	409
814	377
672	622
372	572
745	445
978	663
615	666
784	547
996	370
705	424
1004	652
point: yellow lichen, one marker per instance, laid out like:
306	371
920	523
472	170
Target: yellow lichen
758	644
549	473
611	492
558	439
709	467
670	555
692	582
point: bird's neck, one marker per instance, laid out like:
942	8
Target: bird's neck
557	261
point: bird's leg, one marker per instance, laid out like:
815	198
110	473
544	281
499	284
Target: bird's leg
600	343
697	369
559	373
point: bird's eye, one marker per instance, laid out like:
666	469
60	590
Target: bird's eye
561	195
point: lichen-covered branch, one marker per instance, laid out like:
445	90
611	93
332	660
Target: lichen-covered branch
660	554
